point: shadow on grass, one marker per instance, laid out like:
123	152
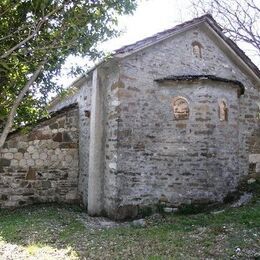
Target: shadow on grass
44	225
60	227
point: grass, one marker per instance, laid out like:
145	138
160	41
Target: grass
59	232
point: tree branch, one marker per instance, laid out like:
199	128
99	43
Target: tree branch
239	18
9	124
36	30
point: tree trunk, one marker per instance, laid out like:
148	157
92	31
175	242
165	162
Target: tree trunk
9	123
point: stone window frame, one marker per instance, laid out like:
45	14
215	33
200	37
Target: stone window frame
173	100
197	53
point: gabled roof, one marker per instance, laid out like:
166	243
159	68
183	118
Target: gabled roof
161	35
208	19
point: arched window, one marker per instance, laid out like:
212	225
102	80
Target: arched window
180	108
223	111
197	49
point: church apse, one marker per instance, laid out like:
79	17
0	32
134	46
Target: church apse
187	146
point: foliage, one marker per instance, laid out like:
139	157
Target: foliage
35	32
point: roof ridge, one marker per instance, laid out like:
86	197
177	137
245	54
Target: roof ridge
157	35
204	18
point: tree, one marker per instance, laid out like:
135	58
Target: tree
36	37
240	19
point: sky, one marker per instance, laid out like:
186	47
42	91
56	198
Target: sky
150	17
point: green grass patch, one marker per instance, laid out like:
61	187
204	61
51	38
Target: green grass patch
233	233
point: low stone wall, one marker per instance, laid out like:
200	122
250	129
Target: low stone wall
42	165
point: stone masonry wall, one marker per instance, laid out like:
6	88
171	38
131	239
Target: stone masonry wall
42	165
180	161
254	154
83	98
144	119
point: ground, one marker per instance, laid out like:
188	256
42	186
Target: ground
64	232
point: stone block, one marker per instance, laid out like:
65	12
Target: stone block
43	156
31	149
4	197
14	163
57	137
22	150
66	137
23	163
39	162
139	223
46	184
35	155
68	146
71	196
18	156
31	174
54	126
8	156
254	158
125	212
38	135
257	168
4	162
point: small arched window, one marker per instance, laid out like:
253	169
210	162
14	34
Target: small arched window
180	108
223	111
197	49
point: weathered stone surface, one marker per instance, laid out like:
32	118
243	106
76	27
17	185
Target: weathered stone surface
4	162
9	156
243	200
32	172
139	223
154	150
54	126
66	137
159	159
57	137
254	158
68	145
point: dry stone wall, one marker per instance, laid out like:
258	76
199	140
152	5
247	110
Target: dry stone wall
83	98
42	165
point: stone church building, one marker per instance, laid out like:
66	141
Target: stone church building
172	119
